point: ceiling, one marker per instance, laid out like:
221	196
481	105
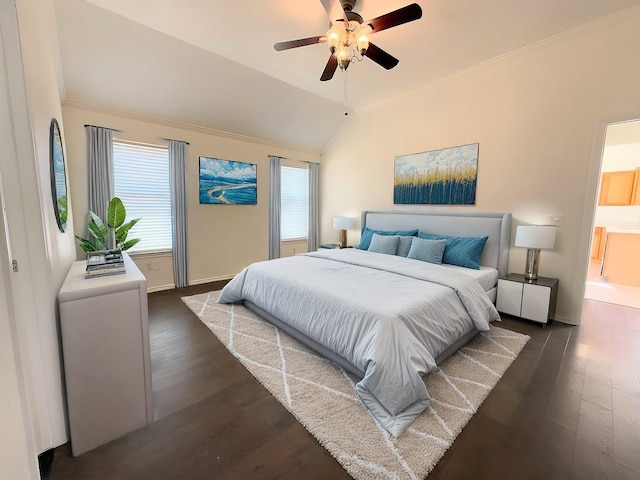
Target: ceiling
211	63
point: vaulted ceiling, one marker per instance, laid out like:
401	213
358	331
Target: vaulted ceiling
212	63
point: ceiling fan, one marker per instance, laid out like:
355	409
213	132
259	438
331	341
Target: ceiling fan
348	35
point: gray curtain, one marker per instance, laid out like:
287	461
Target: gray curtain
274	207
313	207
177	155
100	170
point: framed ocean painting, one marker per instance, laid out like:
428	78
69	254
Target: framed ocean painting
225	182
437	177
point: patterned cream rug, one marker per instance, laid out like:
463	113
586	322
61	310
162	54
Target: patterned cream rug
322	396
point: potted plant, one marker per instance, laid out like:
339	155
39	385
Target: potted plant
101	232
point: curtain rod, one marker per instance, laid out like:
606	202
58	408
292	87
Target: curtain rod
173	139
106	128
295	160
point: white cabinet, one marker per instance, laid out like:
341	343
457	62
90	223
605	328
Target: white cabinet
105	344
531	299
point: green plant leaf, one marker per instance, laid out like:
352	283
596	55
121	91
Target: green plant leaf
129	243
62	209
123	231
98	229
87	245
62	201
116	213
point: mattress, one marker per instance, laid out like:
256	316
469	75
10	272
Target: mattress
486	276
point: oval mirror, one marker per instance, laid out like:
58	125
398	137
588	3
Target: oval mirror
58	175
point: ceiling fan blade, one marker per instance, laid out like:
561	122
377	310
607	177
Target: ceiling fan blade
381	57
335	11
299	43
330	69
397	17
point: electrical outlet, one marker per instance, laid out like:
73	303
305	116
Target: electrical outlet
153	266
556	220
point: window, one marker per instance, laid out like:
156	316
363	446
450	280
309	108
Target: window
294	207
141	179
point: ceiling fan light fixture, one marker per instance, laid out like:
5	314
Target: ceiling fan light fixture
348	35
333	37
362	36
343	56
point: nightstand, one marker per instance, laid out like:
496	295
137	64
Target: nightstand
325	246
530	299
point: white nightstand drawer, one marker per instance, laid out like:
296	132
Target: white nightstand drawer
535	303
509	299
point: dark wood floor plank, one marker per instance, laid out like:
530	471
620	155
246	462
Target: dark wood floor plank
567	408
626	428
594	443
598	391
476	446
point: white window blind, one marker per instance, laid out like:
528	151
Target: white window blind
294	208
141	180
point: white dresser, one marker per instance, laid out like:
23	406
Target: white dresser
105	343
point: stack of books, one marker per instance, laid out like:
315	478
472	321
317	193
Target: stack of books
103	263
330	245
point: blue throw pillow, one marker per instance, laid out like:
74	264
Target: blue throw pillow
427	250
367	234
387	244
462	251
404	245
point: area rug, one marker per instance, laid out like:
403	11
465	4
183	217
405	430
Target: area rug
322	397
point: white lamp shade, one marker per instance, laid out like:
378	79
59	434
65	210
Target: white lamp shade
342	223
535	236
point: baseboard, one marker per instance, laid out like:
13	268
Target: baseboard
560	319
160	288
211	279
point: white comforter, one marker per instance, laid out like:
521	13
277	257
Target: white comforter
389	316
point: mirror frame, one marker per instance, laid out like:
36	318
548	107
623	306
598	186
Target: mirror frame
58	175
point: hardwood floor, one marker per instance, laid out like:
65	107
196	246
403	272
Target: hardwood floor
568	408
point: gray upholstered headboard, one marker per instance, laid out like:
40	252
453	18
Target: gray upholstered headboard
472	224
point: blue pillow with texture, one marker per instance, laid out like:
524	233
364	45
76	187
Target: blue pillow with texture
462	251
387	244
427	250
404	245
367	235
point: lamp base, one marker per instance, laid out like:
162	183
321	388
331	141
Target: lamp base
343	239
531	267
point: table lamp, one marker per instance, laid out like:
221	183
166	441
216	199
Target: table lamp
534	238
343	224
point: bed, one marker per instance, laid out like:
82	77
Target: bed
387	319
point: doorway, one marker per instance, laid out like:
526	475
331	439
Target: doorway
617	213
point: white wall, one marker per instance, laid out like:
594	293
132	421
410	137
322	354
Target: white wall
223	239
43	252
539	118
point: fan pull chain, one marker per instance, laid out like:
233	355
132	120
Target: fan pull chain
346	112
